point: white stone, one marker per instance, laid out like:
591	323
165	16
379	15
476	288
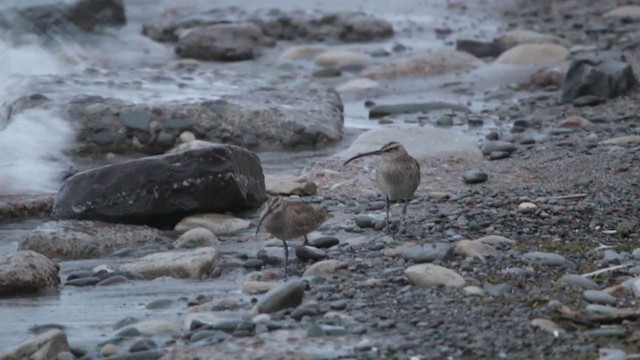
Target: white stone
341	58
425	275
527	207
475	249
622	140
356	85
191	264
289	185
420	142
196	237
533	54
258	287
216	223
629	11
301	52
517	37
323	267
473	290
153	327
495	239
42	347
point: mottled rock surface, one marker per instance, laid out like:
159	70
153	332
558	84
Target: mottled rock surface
27	271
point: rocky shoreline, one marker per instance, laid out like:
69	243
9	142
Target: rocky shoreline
524	244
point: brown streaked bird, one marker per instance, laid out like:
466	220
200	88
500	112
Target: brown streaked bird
397	175
288	220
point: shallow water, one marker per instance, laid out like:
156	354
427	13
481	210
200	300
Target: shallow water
89	313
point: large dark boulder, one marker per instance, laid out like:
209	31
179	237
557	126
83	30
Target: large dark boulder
160	190
603	75
53	20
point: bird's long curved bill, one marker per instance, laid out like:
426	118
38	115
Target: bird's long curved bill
262	219
377	152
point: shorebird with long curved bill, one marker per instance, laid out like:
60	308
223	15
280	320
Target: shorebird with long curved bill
288	220
397	175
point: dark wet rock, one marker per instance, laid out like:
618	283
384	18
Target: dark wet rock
42	347
427	252
545	258
76	239
499	155
599	297
81	282
163	189
588	100
201	335
325	242
379	111
253	264
327	72
474	177
143	345
497	145
65	18
278	24
251	111
222	42
310	253
288	295
27	271
18	206
445	120
193	264
604	75
579	281
481	48
303	311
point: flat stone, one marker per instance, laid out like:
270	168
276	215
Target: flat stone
354	85
324	242
222	42
429	63
628	11
219	224
323	267
45	346
196	237
191	264
498	145
610	331
81	239
517	37
300	52
288	295
81	282
599	297
258	287
475	249
495	240
19	206
427	252
425	275
136	120
27	271
420	142
579	281
289	185
310	253
600	309
533	54
474	177
548	326
153	327
379	111
622	140
341	58
545	258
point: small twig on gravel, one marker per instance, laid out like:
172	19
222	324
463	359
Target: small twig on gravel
602	247
564	197
602	271
592	319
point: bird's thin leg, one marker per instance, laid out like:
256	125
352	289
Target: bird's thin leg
404	213
305	241
388	206
286	259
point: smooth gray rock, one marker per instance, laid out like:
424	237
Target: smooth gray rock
163	189
545	258
81	239
379	111
427	252
288	295
497	145
222	42
600	309
579	281
27	271
474	177
599	297
602	75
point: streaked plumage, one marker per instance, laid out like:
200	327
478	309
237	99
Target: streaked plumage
397	174
288	220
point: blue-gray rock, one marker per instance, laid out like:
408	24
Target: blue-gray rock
601	75
612	256
497	145
612	354
636	253
330	330
474	177
579	281
427	252
136	120
545	258
445	121
600	309
499	155
364	220
81	282
143	345
498	289
315	331
612	331
288	295
164	189
599	297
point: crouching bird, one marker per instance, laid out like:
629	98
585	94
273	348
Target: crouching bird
288	220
